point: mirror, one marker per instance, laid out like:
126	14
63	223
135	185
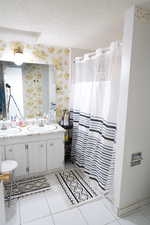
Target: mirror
26	91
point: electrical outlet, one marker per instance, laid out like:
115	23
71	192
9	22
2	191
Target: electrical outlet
136	159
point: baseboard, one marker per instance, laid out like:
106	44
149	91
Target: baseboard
131	208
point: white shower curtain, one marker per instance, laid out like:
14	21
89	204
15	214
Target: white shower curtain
93	107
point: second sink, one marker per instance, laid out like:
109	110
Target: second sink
42	129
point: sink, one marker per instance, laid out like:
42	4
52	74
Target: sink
42	129
14	130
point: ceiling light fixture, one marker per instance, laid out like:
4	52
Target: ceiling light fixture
18	56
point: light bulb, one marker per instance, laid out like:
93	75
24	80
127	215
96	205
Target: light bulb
18	58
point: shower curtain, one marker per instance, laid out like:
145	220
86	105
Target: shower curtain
93	109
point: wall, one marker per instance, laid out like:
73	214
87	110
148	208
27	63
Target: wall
75	52
59	57
35	89
132	184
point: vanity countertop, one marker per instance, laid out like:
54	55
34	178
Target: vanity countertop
30	131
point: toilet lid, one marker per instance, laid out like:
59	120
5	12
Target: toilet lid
8	166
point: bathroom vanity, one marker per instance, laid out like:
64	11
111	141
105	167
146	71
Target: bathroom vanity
36	149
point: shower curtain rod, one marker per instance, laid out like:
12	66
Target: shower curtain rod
91	54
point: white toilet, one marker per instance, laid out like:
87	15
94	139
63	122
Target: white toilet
9	166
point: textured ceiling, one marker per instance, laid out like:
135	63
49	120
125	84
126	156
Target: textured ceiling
70	23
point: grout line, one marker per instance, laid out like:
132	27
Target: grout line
83	216
51	214
19	211
64	210
69	208
75	206
39	218
109	223
118	222
110	210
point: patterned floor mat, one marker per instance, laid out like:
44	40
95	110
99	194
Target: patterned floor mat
27	186
75	186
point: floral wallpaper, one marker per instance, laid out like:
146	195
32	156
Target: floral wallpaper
36	53
34	88
142	15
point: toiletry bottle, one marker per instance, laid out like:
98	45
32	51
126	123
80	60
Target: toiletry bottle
13	121
62	118
66	119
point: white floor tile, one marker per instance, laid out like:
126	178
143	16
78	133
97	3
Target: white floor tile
134	219
146	211
114	223
12	213
96	213
57	199
110	207
33	207
69	217
42	221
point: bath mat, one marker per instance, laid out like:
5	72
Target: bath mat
27	186
75	187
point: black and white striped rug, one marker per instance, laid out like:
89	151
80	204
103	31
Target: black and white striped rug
75	186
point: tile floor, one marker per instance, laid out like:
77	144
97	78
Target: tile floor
53	208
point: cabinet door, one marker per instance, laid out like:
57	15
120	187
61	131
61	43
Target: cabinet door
18	153
37	157
55	154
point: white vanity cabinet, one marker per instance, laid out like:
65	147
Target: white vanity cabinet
36	157
35	153
17	152
55	154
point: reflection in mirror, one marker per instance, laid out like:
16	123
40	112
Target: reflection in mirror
14	90
2	95
26	91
